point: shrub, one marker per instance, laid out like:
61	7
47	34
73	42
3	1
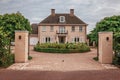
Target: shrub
116	59
29	57
95	58
62	48
6	60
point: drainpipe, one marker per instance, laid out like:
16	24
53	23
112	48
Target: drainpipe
28	44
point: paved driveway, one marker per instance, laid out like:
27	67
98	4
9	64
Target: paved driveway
46	66
59	75
60	62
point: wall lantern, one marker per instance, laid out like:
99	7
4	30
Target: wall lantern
107	38
20	37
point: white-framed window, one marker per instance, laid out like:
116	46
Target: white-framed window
62	19
82	39
72	39
80	28
62	29
73	28
51	28
52	39
76	39
43	40
43	28
47	39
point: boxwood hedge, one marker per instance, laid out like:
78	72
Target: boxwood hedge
62	48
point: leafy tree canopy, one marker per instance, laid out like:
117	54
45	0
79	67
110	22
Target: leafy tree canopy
107	24
12	22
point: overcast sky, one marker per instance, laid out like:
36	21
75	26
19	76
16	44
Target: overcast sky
90	11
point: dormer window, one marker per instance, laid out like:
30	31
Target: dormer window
62	19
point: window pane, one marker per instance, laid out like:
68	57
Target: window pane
49	39
62	18
43	40
77	39
61	29
43	28
51	28
73	40
46	39
73	28
80	28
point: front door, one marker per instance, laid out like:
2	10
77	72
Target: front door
62	39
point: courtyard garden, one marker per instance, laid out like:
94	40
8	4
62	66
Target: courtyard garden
62	48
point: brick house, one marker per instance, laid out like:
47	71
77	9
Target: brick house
62	28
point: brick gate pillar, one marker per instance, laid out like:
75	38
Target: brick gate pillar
21	46
105	47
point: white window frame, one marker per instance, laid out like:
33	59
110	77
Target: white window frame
80	28
62	29
76	39
47	39
43	28
43	40
73	40
51	28
81	39
62	19
73	28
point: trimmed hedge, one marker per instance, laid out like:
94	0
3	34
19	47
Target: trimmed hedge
62	48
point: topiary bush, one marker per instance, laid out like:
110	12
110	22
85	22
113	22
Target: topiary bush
62	48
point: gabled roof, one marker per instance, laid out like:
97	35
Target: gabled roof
68	19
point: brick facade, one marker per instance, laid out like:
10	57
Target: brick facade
62	30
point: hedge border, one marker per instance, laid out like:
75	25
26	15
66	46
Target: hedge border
54	50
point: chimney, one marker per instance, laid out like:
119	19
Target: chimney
71	12
53	12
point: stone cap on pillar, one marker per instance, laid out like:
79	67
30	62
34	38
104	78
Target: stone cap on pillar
105	32
25	31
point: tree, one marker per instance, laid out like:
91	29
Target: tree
108	24
8	24
12	22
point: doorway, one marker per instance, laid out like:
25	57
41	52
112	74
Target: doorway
61	39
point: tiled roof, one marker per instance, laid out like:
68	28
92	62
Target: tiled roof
34	28
68	19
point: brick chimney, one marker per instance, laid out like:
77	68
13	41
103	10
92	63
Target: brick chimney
71	12
53	12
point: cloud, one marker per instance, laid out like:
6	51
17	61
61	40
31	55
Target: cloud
35	19
90	11
5	1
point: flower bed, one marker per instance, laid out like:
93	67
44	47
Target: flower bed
62	48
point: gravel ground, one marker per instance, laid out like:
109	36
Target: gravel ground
48	66
60	62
